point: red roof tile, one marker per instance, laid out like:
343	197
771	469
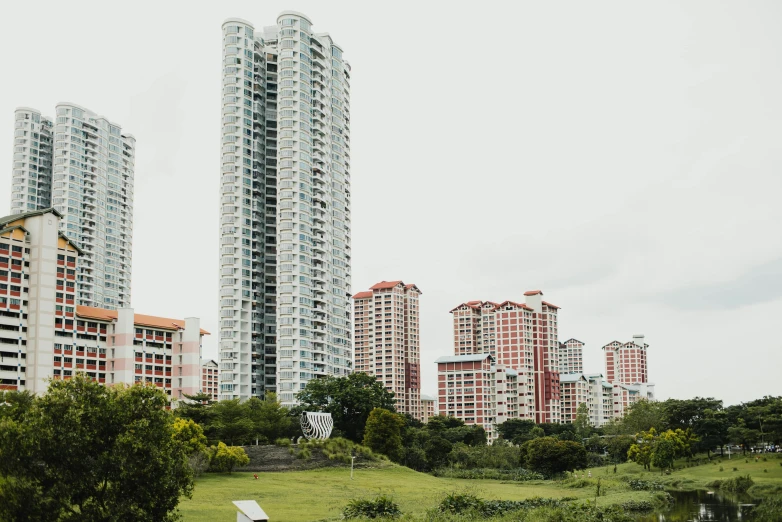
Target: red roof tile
550	305
101	314
533	292
362	295
382	285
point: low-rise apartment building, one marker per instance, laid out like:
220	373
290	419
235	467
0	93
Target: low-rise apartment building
45	335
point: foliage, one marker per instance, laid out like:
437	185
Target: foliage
84	451
581	423
337	448
382	506
645	485
282	441
190	435
469	504
550	456
271	420
770	510
349	400
382	433
224	458
738	484
618	447
643	416
661	449
516	431
514	475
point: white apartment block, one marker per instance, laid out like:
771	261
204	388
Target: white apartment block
625	395
388	343
285	252
31	180
600	401
571	356
428	407
210	384
574	391
86	174
45	334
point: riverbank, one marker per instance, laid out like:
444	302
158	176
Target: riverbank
321	494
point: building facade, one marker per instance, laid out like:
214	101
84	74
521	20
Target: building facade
428	407
571	356
626	363
600	402
387	341
45	334
210	385
285	248
574	392
82	165
625	395
522	337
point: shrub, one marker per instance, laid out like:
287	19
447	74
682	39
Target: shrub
224	458
735	469
470	505
662	500
304	454
770	510
382	506
637	505
514	475
645	485
721	468
738	484
283	441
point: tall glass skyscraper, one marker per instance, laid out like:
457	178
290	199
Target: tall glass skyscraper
82	165
285	314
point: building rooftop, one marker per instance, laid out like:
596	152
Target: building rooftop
571	377
427	398
476	357
101	314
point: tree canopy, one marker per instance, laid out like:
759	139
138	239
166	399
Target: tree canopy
349	400
88	452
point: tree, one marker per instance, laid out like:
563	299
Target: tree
348	399
190	435
741	434
537	432
642	416
383	433
581	423
550	456
516	430
641	451
618	447
271	420
231	422
87	452
437	450
224	458
713	431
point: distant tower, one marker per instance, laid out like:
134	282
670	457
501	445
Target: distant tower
388	343
86	174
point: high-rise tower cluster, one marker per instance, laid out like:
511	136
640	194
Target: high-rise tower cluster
285	252
82	165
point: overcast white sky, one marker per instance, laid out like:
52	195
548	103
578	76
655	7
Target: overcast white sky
624	157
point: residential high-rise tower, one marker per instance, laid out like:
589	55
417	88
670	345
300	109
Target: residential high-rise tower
285	253
82	165
388	345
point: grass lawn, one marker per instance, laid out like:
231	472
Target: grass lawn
322	493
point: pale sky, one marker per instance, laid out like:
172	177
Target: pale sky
624	157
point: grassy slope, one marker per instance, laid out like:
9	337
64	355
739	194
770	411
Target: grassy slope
322	493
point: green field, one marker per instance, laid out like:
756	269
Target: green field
321	494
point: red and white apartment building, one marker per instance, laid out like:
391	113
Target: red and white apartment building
210	384
571	356
387	341
520	342
628	373
44	335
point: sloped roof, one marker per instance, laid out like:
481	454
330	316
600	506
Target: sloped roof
533	292
101	314
14	217
362	295
382	285
475	357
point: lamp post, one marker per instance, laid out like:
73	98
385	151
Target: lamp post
352	460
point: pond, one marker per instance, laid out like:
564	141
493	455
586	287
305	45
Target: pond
703	506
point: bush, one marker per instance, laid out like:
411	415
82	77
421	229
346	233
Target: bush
224	458
283	441
514	475
470	505
645	485
382	506
770	510
638	505
738	484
